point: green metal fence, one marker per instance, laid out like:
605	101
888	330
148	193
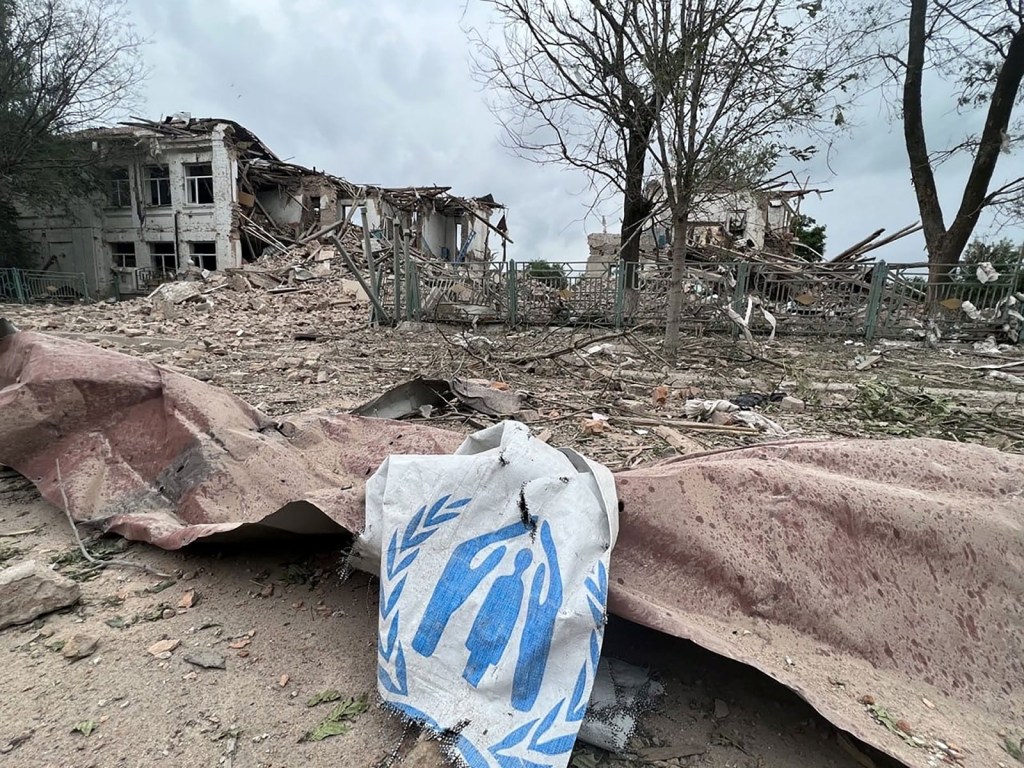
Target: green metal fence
970	300
859	300
561	293
855	300
707	293
823	300
25	286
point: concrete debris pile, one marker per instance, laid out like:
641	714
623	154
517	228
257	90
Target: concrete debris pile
851	293
394	276
264	327
287	342
792	289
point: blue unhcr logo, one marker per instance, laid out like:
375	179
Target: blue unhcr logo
492	628
402	553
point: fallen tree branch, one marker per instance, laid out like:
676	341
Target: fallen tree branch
81	545
578	345
26	532
698	426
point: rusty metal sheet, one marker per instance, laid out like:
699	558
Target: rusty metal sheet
157	456
845	569
892	570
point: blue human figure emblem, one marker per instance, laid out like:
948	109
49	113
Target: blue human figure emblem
493	626
458	581
535	644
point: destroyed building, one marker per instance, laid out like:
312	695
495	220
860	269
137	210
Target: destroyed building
208	194
736	218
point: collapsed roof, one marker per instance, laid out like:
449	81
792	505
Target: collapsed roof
261	166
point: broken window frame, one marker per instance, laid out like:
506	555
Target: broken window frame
119	194
122	255
204	254
736	222
159	252
199	186
158	182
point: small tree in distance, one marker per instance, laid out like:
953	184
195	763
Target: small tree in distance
548	273
808	238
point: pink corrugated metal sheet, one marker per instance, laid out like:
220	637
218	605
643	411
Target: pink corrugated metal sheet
844	569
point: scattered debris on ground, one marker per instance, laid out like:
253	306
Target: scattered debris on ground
287	353
244	715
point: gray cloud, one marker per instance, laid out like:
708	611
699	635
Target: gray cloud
382	93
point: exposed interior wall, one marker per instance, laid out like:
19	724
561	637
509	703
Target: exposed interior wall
283	206
478	250
376	211
780	215
303	206
438	235
444	235
723	210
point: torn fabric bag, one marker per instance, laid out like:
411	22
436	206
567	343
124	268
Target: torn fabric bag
493	587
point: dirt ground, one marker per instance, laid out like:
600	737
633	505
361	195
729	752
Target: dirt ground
288	627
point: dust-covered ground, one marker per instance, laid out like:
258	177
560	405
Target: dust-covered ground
294	351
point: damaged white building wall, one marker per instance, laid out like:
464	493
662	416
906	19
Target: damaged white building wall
440	234
739	220
446	236
741	214
175	200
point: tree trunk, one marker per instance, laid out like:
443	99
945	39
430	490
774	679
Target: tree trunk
635	210
680	227
634	214
997	124
940	275
913	131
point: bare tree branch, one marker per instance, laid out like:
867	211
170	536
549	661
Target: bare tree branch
65	65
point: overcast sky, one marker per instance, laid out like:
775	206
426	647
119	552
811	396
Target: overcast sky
381	92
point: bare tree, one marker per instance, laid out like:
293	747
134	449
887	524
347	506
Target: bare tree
737	82
571	89
65	65
711	92
976	46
